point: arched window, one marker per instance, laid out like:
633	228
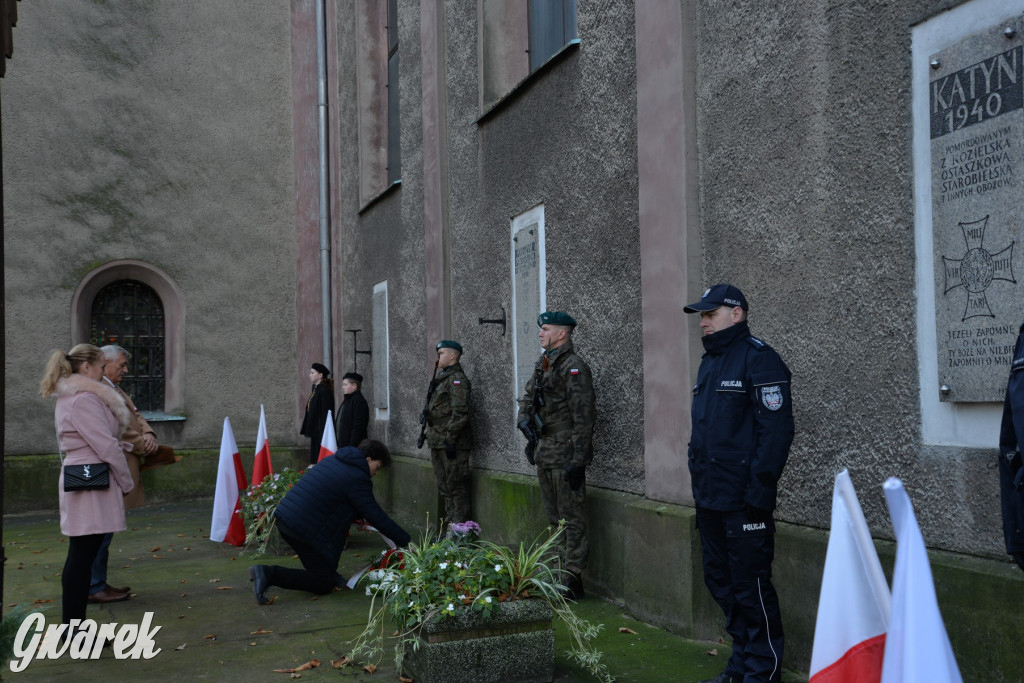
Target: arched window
132	288
131	315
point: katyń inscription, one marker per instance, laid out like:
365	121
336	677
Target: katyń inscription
976	106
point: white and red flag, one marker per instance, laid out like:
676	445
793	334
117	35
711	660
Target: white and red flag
853	610
328	442
917	648
227	525
261	467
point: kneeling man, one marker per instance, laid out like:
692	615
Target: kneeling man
315	515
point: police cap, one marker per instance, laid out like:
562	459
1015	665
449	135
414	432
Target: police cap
717	296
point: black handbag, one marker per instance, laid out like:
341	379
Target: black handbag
91	477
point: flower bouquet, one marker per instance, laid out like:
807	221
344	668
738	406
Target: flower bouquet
259	504
455	575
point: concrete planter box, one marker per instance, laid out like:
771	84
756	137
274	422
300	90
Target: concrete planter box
514	643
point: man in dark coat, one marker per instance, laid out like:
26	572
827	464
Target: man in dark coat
1011	469
354	413
315	515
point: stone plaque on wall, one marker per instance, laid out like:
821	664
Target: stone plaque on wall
380	348
527	270
976	106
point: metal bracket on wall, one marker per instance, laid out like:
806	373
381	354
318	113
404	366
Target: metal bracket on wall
496	321
355	347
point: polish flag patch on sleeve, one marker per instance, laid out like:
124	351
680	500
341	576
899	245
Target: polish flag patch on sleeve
574	371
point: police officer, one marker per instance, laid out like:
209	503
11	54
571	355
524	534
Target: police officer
448	432
742	427
559	411
1011	471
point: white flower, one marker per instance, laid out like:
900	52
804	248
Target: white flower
497	567
459	565
367	590
444	565
462	597
451	607
411	603
487	599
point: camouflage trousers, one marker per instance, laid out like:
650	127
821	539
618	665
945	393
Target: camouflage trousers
452	477
561	502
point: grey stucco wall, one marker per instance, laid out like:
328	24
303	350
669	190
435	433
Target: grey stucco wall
159	132
566	138
806	189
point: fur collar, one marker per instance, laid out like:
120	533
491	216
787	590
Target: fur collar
75	384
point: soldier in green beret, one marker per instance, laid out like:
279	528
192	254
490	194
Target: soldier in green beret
558	414
448	432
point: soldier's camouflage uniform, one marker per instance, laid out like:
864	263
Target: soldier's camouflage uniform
448	423
566	437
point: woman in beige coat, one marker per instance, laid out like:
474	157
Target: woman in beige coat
89	417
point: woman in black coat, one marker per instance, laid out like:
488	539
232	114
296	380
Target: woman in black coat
321	400
354	414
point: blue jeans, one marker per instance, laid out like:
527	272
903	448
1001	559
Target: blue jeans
99	566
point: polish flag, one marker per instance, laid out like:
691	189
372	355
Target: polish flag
226	525
328	442
853	610
262	467
917	648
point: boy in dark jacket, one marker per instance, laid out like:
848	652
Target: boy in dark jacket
315	515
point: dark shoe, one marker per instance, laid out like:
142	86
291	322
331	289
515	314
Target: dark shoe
115	589
1019	559
105	596
721	678
258	575
573	587
340	582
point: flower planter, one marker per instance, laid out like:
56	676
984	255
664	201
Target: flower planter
514	643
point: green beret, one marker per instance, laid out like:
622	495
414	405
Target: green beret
449	344
555	318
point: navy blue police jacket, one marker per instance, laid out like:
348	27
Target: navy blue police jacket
323	503
741	422
1011	469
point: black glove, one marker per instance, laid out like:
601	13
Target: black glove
756	514
575	475
449	451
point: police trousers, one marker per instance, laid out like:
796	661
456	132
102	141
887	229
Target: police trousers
738	549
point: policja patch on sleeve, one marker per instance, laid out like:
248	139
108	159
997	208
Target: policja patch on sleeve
771	397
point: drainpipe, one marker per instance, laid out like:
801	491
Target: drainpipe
325	224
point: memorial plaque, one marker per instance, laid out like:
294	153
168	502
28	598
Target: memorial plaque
380	346
976	106
527	268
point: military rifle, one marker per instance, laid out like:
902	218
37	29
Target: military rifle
426	406
533	425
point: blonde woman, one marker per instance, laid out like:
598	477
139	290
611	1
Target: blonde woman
89	417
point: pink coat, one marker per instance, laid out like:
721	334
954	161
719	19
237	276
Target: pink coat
89	418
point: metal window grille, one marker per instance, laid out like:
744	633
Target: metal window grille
131	315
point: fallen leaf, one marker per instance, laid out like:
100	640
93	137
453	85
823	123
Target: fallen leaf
223	588
311	664
153	550
158	557
181	535
184	580
623	629
338	663
180	647
403	679
41	602
184	595
272	600
394	634
258	632
210	637
214	580
187	548
181	616
13	604
712	653
36	552
370	668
